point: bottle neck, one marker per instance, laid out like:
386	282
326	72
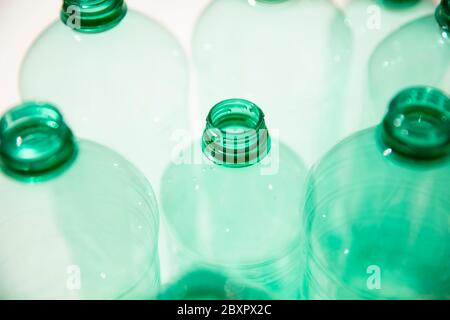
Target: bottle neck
236	134
398	4
417	125
204	284
443	16
35	142
92	16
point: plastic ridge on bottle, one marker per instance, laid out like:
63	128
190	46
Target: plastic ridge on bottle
35	142
417	124
236	134
231	202
377	207
398	61
74	212
91	16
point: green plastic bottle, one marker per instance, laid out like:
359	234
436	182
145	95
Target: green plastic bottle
416	54
370	22
378	207
231	202
291	56
118	76
78	221
205	284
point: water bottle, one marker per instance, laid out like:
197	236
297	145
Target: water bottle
378	205
78	221
291	56
120	77
370	22
231	201
416	54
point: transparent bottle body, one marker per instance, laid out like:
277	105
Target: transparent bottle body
370	22
289	56
242	221
89	233
377	224
125	88
415	54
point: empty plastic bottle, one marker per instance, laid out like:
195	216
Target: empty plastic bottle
205	284
416	54
370	22
77	220
232	202
118	76
292	56
378	207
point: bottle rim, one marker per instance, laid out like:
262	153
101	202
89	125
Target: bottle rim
35	142
92	16
235	134
417	124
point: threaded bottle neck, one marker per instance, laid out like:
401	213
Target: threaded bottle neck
35	142
236	134
443	16
92	16
417	124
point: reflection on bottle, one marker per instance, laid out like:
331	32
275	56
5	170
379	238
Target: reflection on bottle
370	22
232	204
78	221
120	78
377	207
291	56
414	55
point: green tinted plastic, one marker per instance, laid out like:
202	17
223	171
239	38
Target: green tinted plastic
209	285
90	232
377	219
236	134
371	21
398	4
299	76
240	219
120	88
90	16
35	142
417	124
416	54
443	16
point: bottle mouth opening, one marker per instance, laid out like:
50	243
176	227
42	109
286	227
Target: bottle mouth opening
34	140
417	124
236	134
92	16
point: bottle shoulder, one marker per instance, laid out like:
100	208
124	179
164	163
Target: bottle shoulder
136	31
96	170
280	161
365	149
